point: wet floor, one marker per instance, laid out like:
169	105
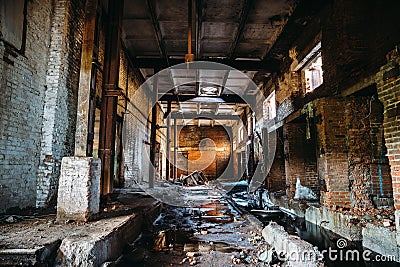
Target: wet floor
213	234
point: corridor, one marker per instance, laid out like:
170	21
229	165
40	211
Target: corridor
199	132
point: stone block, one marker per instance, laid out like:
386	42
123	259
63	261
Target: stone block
79	188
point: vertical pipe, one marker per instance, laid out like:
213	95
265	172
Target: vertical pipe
110	95
153	133
189	27
167	168
175	149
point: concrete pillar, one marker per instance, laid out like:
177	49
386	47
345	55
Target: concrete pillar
79	183
79	189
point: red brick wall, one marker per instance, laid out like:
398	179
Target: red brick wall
189	140
332	151
388	85
276	179
360	150
300	158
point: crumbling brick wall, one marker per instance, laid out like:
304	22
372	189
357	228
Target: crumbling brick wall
300	158
60	99
359	144
332	151
388	85
22	89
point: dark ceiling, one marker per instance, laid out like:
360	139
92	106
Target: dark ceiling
238	33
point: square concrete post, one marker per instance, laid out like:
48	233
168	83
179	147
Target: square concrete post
79	189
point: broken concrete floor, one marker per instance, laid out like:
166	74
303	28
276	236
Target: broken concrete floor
42	240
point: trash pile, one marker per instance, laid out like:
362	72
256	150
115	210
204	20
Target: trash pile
303	192
193	179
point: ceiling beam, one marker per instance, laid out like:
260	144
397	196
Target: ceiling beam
183	98
247	4
157	32
203	116
270	65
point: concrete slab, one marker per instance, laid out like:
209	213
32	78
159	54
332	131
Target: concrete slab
334	221
297	252
39	240
381	240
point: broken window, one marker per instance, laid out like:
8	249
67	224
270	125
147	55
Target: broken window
313	73
311	69
269	107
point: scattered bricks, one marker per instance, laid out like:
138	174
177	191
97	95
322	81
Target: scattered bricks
79	188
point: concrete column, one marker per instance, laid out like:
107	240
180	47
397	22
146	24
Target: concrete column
79	189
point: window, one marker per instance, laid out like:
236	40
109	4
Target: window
241	134
311	69
269	107
313	73
13	22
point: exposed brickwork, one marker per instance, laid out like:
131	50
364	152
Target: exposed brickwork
389	93
22	88
359	143
190	140
300	159
276	179
62	81
332	154
136	131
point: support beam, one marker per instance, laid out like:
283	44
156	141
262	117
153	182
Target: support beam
242	23
110	98
85	101
183	98
167	169
270	65
157	32
153	133
204	116
175	148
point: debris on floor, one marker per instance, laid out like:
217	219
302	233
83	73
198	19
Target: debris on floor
193	179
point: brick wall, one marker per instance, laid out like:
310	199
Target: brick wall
388	85
60	99
189	140
136	132
332	151
22	90
360	150
300	158
276	179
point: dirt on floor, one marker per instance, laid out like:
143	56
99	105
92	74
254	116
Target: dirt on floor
210	235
